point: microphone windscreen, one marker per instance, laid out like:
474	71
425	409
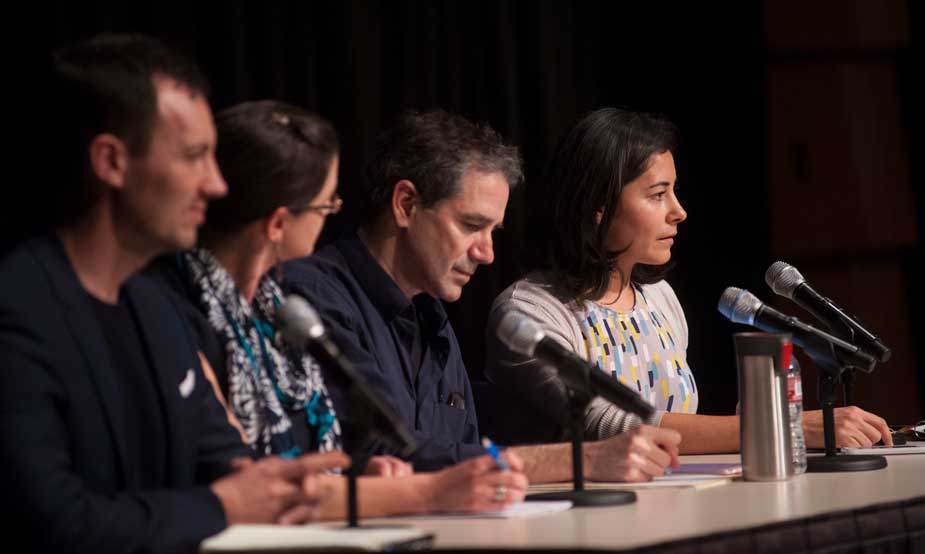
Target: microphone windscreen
298	321
783	279
739	305
520	333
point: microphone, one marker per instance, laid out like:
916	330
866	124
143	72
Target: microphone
524	336
741	306
785	280
300	324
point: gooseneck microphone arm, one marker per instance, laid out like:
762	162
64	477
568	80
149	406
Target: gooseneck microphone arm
583	382
785	280
524	336
831	353
834	354
370	415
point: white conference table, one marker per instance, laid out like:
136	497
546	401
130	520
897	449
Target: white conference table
669	514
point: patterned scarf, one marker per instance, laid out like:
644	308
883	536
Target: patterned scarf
266	377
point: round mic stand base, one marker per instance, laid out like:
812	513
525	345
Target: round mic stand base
832	462
588	498
845	462
578	495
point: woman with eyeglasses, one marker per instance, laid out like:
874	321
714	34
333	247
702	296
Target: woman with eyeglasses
281	165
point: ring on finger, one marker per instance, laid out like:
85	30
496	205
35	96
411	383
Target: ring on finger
500	493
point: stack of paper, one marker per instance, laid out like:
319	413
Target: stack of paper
696	476
517	509
269	538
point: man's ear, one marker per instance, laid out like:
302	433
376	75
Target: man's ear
109	158
274	225
405	200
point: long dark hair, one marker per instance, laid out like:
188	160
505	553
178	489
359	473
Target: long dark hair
604	151
271	154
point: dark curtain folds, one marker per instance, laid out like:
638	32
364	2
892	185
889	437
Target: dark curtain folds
529	68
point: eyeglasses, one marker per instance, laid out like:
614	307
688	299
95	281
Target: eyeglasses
325	210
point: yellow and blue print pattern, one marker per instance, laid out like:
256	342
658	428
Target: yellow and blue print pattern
638	349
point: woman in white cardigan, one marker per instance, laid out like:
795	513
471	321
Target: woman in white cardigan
604	218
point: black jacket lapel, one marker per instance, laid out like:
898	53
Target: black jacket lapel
86	330
152	311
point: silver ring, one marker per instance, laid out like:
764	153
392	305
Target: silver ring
500	493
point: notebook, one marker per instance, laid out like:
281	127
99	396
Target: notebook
726	469
692	481
516	510
908	448
279	538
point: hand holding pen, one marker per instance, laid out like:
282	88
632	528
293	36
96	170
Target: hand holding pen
493	451
482	483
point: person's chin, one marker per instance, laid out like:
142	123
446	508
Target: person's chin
184	240
661	259
451	293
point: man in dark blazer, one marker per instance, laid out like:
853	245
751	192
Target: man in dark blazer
111	436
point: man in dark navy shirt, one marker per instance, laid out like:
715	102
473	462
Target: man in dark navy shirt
405	348
438	188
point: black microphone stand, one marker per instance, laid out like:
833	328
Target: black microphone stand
359	457
847	380
358	444
577	404
846	333
369	418
831	461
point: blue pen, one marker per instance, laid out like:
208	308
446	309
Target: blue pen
493	450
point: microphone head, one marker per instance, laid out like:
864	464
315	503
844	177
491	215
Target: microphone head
739	305
298	321
783	278
520	333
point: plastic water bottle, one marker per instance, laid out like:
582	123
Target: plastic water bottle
795	398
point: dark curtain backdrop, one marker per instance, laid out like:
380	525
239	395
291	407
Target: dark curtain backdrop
529	68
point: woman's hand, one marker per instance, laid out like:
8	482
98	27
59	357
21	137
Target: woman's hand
853	427
637	455
388	466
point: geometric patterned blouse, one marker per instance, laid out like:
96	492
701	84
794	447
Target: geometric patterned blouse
638	349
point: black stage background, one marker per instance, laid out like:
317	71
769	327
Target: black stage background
725	74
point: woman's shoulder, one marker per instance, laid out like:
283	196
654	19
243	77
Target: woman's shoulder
536	296
661	294
535	288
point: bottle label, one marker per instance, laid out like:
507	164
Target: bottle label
794	388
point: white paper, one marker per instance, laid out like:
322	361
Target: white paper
517	509
683	477
691	480
887	450
276	537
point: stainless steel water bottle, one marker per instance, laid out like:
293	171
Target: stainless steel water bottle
763	360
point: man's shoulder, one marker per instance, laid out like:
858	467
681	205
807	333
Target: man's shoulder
167	273
157	301
325	275
25	284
